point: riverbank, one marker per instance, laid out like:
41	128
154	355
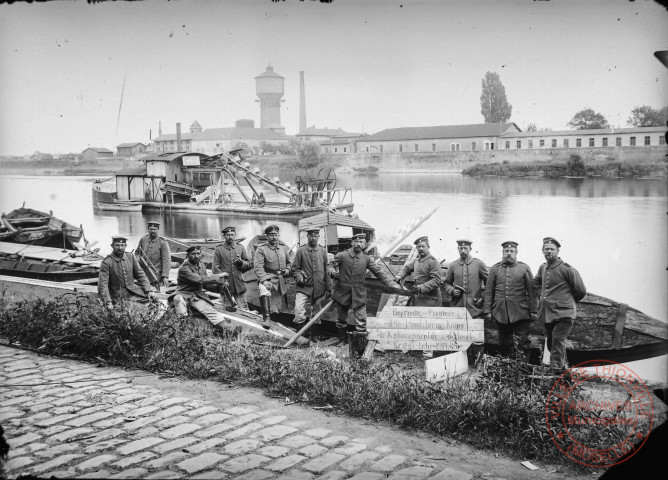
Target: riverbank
499	407
575	166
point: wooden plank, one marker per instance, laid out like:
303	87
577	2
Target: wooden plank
441	313
47	253
389	344
368	351
382	334
30	288
619	326
641	323
477	324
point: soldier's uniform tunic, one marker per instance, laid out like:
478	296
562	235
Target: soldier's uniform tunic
191	280
427	273
268	261
349	290
470	275
559	287
224	257
117	280
158	253
310	268
510	300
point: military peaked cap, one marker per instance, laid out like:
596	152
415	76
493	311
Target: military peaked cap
118	239
509	243
271	229
193	248
359	236
157	224
312	230
424	239
228	230
464	242
551	240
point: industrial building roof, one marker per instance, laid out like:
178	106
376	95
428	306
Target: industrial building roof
442	131
127	145
172	136
99	150
329	132
594	131
269	73
233	133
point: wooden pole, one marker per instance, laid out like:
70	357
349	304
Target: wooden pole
311	322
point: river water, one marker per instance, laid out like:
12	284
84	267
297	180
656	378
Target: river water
614	231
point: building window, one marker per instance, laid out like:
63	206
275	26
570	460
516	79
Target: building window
605	142
647	141
519	144
578	142
452	147
507	144
542	143
401	148
433	147
554	143
491	146
618	141
326	149
381	149
632	141
565	143
345	149
416	147
591	142
336	150
529	143
662	140
366	149
473	145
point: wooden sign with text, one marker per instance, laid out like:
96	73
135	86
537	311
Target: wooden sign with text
425	328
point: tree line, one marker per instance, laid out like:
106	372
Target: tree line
496	109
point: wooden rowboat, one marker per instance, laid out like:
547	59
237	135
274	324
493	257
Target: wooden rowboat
28	226
119	207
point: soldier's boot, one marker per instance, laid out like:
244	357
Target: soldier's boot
341	334
357	344
265	306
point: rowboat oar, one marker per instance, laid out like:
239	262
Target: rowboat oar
310	322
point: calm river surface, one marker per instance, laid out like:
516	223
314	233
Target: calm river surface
613	231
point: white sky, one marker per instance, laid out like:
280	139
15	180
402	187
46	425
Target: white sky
369	65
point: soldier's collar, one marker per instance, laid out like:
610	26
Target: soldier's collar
462	262
555	264
352	253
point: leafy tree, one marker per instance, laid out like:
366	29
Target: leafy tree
493	101
587	119
663	113
531	128
308	154
645	116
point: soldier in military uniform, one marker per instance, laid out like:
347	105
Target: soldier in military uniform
349	268
118	273
231	258
310	272
466	279
272	265
191	281
154	256
559	287
510	300
427	275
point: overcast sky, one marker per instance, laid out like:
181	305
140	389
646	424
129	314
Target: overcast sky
369	65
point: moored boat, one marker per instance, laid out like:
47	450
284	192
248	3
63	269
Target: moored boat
28	226
119	207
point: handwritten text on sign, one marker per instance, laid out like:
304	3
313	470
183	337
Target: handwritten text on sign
425	328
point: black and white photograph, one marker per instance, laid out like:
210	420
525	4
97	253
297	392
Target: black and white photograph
333	239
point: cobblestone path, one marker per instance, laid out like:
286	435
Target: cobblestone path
71	419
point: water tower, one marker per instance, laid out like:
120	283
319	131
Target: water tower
269	88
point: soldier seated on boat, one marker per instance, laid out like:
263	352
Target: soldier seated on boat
154	256
192	279
427	274
118	272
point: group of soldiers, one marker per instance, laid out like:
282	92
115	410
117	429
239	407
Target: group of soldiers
506	293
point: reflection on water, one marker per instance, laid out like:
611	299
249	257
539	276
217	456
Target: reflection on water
613	231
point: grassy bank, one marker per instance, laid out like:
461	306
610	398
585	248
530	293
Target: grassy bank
499	408
574	167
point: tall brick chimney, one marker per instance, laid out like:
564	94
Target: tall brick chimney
302	104
178	137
